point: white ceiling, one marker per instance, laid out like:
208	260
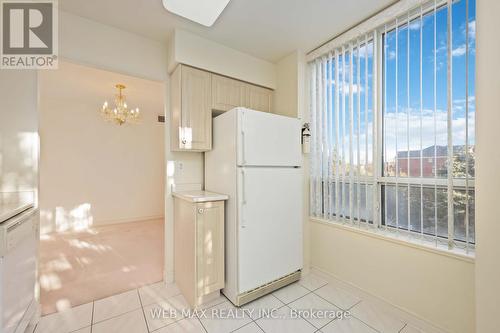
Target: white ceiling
268	29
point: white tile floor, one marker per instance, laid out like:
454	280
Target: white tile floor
134	312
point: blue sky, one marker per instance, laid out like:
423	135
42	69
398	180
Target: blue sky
407	100
424	124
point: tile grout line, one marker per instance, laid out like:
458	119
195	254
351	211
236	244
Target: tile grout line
92	317
142	308
250	322
313	290
116	316
350	308
308	292
340	308
367	324
331	321
256	323
336	306
300	316
203	326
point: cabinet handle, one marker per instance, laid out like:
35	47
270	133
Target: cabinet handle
200	211
184	141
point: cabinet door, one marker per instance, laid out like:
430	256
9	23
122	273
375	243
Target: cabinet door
227	93
185	248
175	108
195	132
210	247
258	98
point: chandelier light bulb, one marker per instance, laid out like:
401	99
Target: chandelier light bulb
119	113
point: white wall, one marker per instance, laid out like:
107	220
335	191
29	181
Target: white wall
94	172
98	45
190	49
286	96
435	287
289	100
487	166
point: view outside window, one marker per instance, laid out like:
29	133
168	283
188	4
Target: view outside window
392	126
428	121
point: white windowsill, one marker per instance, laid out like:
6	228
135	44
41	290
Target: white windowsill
398	239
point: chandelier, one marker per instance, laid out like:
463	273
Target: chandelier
120	114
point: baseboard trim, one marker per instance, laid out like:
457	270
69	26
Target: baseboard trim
407	315
103	223
127	220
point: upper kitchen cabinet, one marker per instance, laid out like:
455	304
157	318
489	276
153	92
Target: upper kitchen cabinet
191	109
227	93
195	93
258	98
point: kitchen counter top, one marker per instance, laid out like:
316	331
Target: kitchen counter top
200	196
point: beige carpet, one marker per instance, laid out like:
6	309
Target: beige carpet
79	267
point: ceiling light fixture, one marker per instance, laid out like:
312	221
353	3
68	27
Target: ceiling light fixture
120	113
204	12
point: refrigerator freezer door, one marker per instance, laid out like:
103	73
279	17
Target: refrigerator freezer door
268	139
270	224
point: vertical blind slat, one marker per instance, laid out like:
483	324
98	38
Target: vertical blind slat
421	128
337	134
467	126
435	124
396	190
351	130
451	224
358	130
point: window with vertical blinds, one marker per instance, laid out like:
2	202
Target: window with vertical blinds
392	120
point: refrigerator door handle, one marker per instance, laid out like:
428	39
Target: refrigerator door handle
243	199
243	162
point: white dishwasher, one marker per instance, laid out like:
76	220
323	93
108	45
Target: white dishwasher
18	266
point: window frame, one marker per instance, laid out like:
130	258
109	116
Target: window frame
378	180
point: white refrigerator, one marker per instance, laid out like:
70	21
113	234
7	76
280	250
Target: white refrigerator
256	159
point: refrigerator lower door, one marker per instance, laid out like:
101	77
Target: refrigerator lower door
270	225
268	139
